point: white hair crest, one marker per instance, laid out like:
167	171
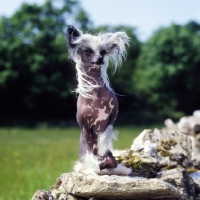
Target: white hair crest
115	46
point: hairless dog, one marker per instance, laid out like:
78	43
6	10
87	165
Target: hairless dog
97	105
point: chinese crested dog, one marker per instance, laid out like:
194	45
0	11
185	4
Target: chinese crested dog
97	105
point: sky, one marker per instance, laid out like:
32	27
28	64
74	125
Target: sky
145	15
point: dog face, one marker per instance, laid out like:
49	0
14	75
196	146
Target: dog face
91	51
96	50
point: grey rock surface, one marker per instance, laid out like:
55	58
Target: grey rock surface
65	196
196	178
141	165
181	180
116	187
42	195
187	124
172	149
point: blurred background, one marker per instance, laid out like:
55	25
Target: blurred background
38	132
159	79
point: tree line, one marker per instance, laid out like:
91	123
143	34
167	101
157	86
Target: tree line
159	79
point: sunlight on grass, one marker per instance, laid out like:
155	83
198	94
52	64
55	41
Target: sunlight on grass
32	159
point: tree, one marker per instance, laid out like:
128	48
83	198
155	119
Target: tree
168	76
36	77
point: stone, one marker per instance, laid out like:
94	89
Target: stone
116	187
187	124
42	195
65	196
181	180
196	178
160	163
195	152
196	161
171	149
141	165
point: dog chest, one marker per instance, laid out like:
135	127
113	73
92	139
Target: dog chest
98	110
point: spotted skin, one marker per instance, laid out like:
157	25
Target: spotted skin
93	117
97	109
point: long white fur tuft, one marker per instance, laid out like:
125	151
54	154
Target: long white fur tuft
115	44
89	164
87	84
105	140
119	170
85	87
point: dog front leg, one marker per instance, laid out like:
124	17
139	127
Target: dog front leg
104	144
88	161
105	141
86	141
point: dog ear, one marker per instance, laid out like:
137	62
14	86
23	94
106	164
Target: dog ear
123	38
72	34
115	45
120	40
117	40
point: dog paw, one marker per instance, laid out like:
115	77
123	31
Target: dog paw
107	161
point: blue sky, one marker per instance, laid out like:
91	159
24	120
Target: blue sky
146	15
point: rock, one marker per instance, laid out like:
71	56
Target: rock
195	152
159	161
196	178
142	165
116	187
65	196
196	161
42	195
45	195
171	149
181	180
187	124
196	129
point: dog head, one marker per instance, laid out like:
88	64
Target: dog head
96	49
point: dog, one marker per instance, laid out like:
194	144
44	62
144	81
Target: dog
97	105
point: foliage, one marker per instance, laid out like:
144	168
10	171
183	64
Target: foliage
36	77
169	68
159	79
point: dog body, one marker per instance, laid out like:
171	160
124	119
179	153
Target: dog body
94	116
97	105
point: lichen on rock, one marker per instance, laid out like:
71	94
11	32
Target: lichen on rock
170	148
141	165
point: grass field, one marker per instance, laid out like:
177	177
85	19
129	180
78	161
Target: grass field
32	159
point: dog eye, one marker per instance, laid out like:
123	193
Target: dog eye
103	52
88	50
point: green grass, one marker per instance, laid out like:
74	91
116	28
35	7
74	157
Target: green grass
32	159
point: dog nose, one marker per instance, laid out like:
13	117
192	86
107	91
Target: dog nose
100	60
